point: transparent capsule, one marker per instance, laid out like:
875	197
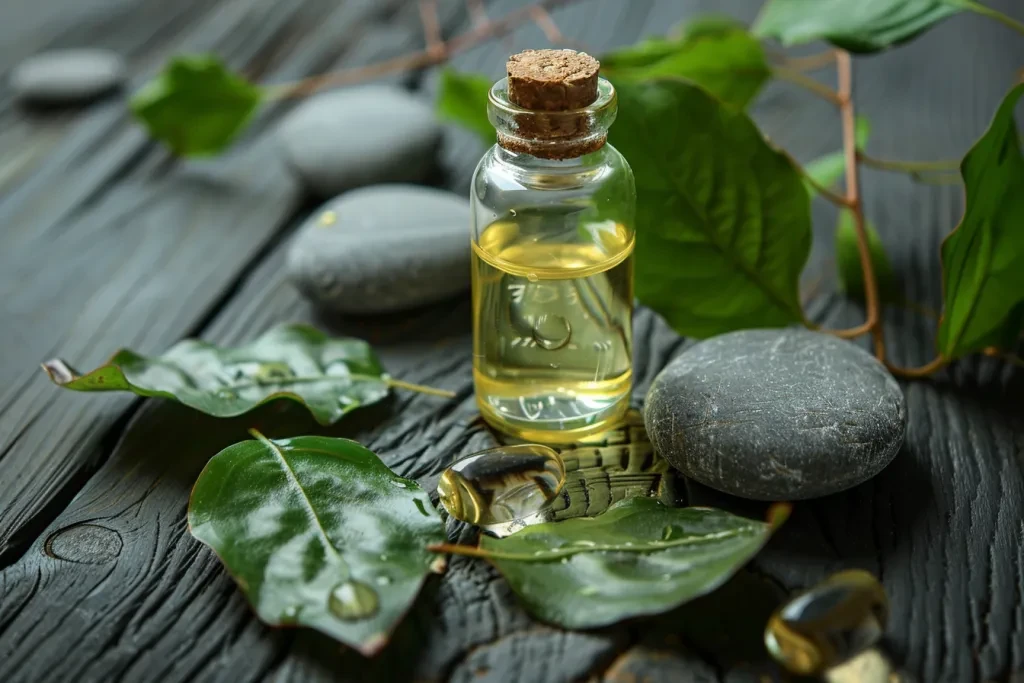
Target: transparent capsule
501	484
829	624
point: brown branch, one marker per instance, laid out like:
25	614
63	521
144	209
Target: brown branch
415	60
547	24
834	197
432	29
811	62
916	373
872	323
804	81
477	12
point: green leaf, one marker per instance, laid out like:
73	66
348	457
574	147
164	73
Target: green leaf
639	557
983	259
827	170
854	25
851	276
318	532
196	106
330	376
717	54
462	99
723	220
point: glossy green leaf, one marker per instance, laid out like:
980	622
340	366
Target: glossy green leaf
462	99
826	171
723	219
854	25
983	259
851	276
717	54
330	376
196	106
318	532
639	557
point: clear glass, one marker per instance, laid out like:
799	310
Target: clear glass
553	275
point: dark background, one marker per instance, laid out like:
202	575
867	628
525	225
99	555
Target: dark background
107	241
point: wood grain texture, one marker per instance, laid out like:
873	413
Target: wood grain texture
114	571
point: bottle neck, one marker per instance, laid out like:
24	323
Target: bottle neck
553	135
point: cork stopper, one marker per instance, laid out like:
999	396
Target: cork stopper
552	80
554	85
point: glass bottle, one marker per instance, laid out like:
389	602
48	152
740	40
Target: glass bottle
553	213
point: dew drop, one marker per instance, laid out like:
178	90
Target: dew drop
383	580
353	600
290	614
226	394
383	557
272	372
586	544
400	484
588	590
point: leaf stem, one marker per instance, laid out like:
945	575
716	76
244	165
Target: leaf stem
811	62
986	11
435	53
826	193
558	553
872	323
804	81
409	386
908	166
925	370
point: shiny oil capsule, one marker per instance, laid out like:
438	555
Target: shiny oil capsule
501	484
829	624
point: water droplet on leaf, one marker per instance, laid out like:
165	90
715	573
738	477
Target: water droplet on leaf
353	600
272	372
383	580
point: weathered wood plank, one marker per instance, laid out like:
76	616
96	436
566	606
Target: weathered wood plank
941	526
142	263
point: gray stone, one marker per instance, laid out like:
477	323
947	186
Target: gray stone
776	414
383	248
67	76
360	136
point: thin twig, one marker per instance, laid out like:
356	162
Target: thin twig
925	370
872	323
415	60
951	165
986	11
831	195
805	81
432	29
409	386
477	12
547	24
810	62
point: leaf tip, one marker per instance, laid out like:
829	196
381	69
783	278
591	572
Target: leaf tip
374	644
439	565
777	515
59	372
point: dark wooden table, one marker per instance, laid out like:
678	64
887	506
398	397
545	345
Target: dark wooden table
106	241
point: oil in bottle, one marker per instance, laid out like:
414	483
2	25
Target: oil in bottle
553	327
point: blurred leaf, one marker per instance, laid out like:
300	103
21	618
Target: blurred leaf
318	532
983	259
639	557
854	25
723	220
196	106
827	170
716	53
851	276
462	99
329	376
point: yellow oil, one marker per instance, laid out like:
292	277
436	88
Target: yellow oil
552	316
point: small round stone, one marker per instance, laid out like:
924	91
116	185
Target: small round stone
360	136
776	414
67	76
382	249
